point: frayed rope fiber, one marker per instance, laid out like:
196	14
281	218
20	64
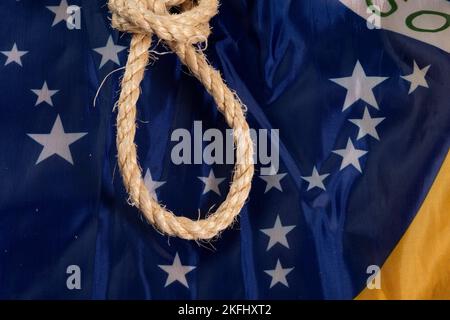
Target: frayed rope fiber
180	24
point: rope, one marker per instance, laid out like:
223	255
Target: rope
180	31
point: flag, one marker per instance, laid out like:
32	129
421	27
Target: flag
353	97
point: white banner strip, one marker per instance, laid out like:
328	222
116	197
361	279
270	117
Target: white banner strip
424	20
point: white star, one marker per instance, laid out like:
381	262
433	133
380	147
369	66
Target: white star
44	95
211	183
417	78
277	234
60	12
273	181
176	272
14	55
367	125
152	185
279	274
350	156
359	86
316	180
109	52
56	142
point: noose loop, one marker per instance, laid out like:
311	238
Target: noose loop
181	24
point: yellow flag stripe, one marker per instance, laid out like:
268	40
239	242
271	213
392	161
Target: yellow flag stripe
419	266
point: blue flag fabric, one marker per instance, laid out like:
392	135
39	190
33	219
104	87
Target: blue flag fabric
356	162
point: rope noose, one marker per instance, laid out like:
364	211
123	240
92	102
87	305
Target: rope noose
180	31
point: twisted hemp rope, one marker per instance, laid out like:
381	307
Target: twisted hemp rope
180	31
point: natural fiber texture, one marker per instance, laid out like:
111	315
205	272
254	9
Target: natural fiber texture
181	24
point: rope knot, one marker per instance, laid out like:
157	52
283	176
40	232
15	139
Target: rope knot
180	23
175	21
